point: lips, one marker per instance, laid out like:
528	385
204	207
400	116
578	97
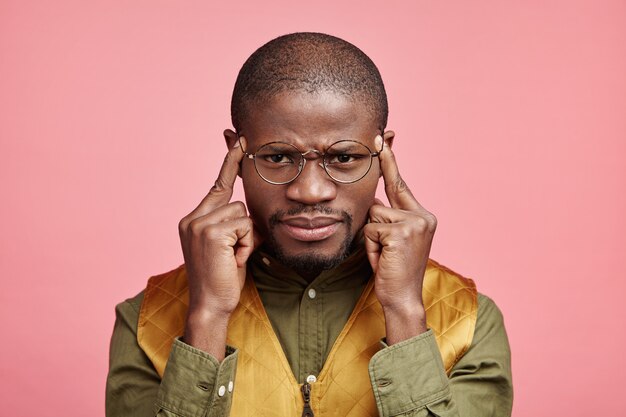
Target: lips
310	229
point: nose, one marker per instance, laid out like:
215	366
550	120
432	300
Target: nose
313	185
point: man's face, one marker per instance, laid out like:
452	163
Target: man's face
310	223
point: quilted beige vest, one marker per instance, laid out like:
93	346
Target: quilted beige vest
265	384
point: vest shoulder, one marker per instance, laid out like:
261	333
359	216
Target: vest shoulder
166	292
438	272
166	295
167	278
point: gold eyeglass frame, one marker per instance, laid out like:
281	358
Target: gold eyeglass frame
301	165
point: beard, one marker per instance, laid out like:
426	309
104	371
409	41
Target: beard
310	261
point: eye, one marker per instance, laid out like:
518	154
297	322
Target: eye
278	158
342	158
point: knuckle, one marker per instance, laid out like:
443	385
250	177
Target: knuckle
425	223
242	222
219	186
398	185
182	225
195	228
432	222
211	233
227	158
405	233
421	224
368	229
240	207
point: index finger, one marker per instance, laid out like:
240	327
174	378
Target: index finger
398	192
222	190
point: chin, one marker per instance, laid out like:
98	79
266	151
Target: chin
311	256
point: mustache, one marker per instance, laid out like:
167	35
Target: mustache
278	215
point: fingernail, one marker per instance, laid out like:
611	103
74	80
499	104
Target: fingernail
237	143
243	143
379	142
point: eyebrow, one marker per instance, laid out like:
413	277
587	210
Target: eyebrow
275	146
347	146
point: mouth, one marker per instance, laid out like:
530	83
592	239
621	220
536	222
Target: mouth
310	229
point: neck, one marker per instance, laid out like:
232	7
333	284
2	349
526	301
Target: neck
308	274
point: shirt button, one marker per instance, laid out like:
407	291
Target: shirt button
312	293
230	386
221	391
266	261
311	379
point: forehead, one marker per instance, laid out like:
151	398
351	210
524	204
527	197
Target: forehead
309	120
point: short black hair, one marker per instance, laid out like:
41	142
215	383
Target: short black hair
309	62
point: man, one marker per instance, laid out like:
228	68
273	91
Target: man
313	298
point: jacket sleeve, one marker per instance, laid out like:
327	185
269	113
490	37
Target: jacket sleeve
408	378
194	384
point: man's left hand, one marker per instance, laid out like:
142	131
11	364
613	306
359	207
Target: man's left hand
397	242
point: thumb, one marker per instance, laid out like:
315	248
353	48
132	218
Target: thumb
372	246
247	244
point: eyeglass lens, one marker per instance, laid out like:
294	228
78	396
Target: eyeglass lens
345	161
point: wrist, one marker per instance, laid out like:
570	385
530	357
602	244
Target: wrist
201	316
207	331
403	322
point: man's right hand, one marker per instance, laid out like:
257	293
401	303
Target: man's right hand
217	238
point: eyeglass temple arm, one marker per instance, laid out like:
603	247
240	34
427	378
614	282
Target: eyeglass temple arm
250	156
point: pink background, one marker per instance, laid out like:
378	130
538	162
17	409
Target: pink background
511	127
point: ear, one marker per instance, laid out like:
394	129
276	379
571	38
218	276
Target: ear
231	138
388	137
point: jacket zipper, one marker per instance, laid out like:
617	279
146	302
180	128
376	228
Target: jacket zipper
306	395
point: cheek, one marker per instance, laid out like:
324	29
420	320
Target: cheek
361	199
261	198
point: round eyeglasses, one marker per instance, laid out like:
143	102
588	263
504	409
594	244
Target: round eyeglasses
346	161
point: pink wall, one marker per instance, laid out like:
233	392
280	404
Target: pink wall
511	127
